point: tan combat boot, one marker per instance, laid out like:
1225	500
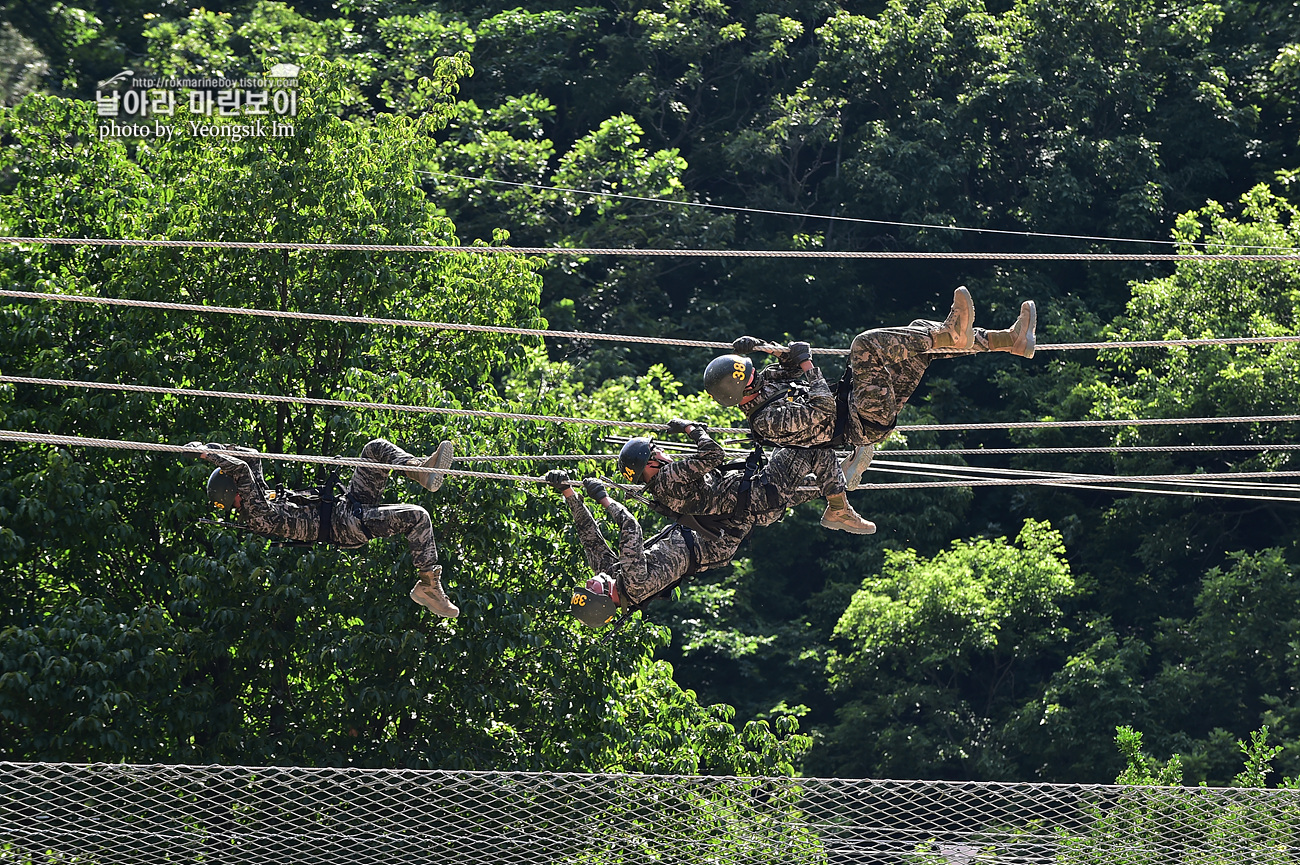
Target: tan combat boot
840	515
428	592
441	459
1019	338
958	331
855	464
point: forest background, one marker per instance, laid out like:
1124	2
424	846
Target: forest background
995	633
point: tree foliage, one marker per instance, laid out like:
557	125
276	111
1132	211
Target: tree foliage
935	647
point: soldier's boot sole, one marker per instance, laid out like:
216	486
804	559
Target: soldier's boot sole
958	331
440	459
855	464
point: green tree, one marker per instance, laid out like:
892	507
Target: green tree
129	631
938	653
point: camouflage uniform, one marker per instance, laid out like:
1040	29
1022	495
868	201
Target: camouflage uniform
694	486
643	573
887	365
359	507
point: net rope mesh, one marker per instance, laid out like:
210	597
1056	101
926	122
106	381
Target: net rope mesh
138	815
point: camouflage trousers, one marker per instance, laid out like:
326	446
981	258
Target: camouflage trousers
887	366
789	469
357	513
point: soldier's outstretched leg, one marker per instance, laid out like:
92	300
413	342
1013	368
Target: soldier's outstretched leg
367	485
789	469
888	363
439	459
366	518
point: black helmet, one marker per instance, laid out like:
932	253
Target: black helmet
633	458
221	490
592	609
726	376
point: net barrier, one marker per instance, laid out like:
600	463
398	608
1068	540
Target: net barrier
118	814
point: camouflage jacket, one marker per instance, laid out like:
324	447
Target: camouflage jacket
257	507
788	412
687	487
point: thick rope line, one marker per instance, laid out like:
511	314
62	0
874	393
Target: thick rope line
1083	480
661	253
540	458
159	447
831	218
676	447
584	335
942	470
363	319
464	412
1102	449
1086	424
1258	492
329	403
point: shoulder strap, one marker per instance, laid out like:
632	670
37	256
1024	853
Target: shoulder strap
767	402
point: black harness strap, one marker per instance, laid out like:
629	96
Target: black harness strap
325	509
842	389
357	509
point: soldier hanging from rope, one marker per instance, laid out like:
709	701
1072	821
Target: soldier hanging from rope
885	367
641	570
699	484
714	511
350	520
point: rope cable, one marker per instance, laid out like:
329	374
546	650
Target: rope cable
1089	481
675	447
462	412
660	253
940	469
586	335
831	218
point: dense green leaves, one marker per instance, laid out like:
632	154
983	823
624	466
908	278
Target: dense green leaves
932	648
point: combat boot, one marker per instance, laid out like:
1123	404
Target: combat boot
1019	338
958	331
840	515
441	459
428	592
855	464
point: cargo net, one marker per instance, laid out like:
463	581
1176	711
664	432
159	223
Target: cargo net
145	815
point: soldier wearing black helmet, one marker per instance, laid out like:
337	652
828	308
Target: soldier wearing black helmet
351	520
640	570
885	366
694	485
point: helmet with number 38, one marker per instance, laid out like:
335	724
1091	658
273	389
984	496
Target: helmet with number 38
726	378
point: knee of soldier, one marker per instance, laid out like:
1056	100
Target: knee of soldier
373	449
422	516
864	346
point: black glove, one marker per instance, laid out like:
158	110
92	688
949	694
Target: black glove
678	425
797	353
746	344
594	489
558	479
